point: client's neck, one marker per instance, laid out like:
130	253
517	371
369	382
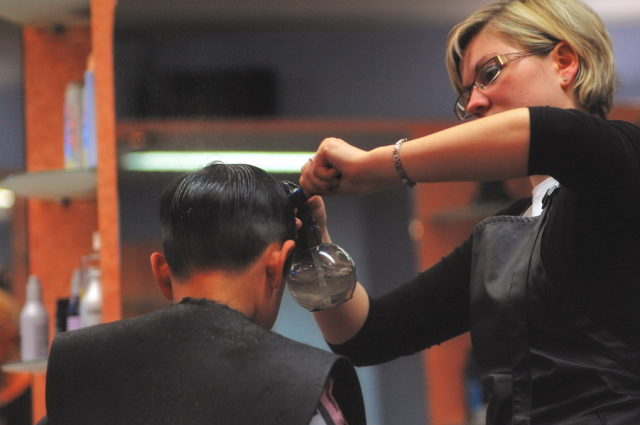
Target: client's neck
236	290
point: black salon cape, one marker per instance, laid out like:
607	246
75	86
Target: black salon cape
196	362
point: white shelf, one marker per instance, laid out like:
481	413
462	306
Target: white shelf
46	13
53	185
31	366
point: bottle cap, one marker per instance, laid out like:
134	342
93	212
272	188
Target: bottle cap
95	241
94	272
34	289
76	283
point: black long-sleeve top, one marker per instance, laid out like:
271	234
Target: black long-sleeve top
590	247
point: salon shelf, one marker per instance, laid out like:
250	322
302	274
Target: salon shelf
46	13
31	366
55	185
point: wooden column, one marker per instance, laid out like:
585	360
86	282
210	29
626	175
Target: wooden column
444	364
102	16
59	234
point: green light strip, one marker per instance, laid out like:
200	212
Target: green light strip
272	162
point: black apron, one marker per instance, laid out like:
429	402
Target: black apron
193	363
540	360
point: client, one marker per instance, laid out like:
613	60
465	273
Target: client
228	236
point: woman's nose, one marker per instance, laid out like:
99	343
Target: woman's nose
478	102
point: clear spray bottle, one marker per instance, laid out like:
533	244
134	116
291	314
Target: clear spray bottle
322	275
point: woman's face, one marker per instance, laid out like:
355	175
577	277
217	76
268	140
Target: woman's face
529	81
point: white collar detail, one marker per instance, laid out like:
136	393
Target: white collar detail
538	193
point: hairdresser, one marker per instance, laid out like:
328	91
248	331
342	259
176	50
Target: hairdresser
550	287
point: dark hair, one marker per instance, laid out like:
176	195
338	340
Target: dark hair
222	217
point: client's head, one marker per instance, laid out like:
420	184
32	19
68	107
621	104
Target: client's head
228	231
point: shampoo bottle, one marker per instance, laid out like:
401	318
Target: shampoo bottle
73	126
34	323
91	301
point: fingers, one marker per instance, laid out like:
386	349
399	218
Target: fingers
315	203
318	181
319	174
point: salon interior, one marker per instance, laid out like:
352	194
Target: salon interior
209	80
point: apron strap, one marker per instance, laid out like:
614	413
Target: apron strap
518	324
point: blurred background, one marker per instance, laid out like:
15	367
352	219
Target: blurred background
278	76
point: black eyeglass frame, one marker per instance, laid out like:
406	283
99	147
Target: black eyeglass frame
460	108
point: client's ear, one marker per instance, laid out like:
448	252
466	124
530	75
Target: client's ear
279	261
162	274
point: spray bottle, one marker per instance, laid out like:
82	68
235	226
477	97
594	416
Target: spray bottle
322	275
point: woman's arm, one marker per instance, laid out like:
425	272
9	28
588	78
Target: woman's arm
341	323
492	148
448	155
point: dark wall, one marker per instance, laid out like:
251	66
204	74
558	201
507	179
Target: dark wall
11	124
337	74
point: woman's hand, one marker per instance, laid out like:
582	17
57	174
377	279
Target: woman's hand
316	205
335	169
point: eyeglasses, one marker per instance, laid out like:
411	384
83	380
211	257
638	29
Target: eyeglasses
486	75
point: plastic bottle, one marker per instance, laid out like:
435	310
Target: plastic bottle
62	314
91	301
34	323
89	137
73	314
73	125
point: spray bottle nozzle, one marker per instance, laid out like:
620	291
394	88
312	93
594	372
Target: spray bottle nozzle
298	200
295	194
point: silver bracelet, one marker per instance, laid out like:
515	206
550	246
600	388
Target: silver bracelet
396	161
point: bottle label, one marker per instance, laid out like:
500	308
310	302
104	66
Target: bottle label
35	345
73	323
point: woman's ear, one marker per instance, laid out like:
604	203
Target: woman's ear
162	274
568	63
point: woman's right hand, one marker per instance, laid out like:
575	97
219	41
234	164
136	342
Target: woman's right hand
316	205
336	168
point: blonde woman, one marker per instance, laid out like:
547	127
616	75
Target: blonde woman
550	287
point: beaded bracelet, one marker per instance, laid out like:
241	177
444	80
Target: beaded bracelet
396	161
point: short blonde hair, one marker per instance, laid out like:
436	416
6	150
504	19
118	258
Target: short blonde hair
538	25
